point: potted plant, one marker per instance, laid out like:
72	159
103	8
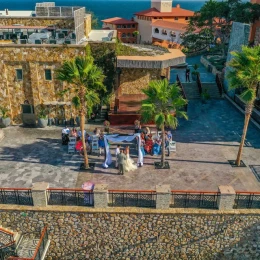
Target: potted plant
205	96
195	72
42	117
106	125
5	118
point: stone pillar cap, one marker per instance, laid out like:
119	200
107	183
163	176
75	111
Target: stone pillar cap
40	186
163	189
100	188
225	189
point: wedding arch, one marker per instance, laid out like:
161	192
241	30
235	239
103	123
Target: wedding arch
117	138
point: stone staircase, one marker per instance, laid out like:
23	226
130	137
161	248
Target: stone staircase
25	244
212	89
102	115
191	90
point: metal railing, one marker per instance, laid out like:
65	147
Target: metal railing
16	196
194	199
199	83
40	248
41	245
247	200
132	198
70	197
182	91
219	84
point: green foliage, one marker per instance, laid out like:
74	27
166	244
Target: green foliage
42	112
205	94
214	20
4	112
245	72
164	104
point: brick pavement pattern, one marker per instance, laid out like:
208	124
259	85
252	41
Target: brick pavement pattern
204	144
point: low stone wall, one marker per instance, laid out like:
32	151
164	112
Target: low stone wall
206	63
80	233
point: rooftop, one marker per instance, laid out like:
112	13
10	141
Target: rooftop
101	35
169	25
176	11
7	13
118	20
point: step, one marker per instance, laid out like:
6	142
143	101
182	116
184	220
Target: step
27	247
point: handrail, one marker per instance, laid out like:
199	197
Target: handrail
15	189
248	192
219	84
199	83
7	245
189	191
6	231
40	241
65	189
132	191
183	91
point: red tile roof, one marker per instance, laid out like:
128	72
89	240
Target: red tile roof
176	11
118	20
170	25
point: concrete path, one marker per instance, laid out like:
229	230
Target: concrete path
204	144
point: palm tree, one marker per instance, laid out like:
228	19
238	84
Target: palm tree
245	72
84	79
163	105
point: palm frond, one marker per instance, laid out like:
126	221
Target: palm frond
76	102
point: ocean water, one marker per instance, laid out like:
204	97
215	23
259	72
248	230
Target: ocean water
101	8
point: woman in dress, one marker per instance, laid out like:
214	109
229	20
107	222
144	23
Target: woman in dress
129	163
74	132
149	145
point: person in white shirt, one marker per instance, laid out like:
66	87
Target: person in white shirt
117	152
80	134
65	135
65	130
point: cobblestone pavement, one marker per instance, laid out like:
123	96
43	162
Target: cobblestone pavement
205	143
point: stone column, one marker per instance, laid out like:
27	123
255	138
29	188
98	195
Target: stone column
39	194
163	196
226	198
100	196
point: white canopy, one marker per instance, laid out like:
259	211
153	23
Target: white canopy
116	138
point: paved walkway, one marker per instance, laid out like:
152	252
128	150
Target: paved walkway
204	144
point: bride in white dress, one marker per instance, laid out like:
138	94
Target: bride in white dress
129	163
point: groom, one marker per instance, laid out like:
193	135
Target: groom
121	158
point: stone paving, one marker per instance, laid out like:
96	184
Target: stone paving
205	143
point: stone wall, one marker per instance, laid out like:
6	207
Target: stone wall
141	234
132	81
60	23
206	63
33	59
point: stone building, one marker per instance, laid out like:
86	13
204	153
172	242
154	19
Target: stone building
255	28
32	45
161	10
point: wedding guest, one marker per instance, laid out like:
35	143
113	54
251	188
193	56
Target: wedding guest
148	145
117	153
101	143
121	162
74	132
80	134
79	145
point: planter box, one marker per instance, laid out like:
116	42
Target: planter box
42	122
5	121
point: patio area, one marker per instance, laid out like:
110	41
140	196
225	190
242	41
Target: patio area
205	143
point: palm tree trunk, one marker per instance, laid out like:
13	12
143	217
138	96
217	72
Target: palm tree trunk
248	112
163	146
82	124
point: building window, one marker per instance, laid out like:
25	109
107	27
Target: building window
160	18
48	75
119	26
124	26
164	32
176	18
173	34
186	18
155	18
133	25
156	30
129	35
19	74
129	26
123	35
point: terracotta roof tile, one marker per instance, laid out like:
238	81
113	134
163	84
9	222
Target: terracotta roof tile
176	11
170	25
118	20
